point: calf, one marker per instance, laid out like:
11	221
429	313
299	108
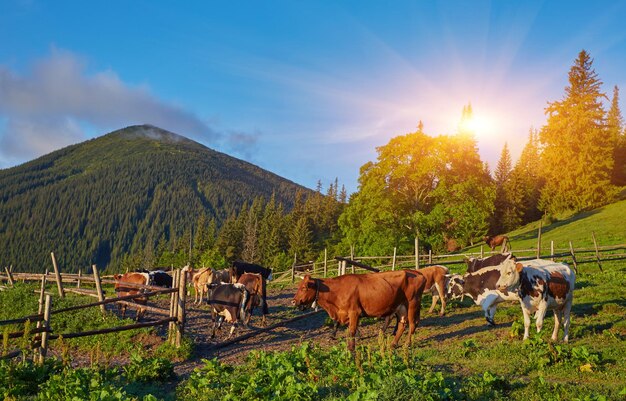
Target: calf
200	279
347	298
255	284
228	301
475	264
546	285
238	268
488	286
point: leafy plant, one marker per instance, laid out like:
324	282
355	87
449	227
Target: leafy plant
145	370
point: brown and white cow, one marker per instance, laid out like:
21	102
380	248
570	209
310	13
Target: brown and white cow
255	284
124	287
475	264
228	302
488	286
200	278
546	285
347	298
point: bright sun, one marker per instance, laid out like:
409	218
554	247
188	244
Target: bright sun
479	125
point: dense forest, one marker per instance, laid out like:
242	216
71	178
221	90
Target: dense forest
143	197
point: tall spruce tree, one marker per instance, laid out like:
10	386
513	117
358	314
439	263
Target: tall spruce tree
615	123
577	158
504	218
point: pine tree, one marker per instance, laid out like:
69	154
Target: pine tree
577	158
300	242
615	124
525	183
504	218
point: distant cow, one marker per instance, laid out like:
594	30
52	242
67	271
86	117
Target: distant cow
228	302
474	264
496	240
546	285
200	278
159	278
488	286
122	289
347	298
238	268
255	284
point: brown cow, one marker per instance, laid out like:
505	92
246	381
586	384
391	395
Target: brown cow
122	289
255	284
347	298
200	278
496	240
436	283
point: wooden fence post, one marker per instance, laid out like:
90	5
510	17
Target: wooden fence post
57	276
539	240
43	349
482	252
325	262
171	328
393	261
595	244
417	253
552	250
430	256
293	267
80	275
351	258
9	276
96	278
571	250
182	300
42	293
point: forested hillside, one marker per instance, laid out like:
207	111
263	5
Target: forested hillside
121	193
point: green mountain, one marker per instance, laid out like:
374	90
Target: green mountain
95	201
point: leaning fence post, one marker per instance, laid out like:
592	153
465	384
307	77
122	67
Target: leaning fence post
57	275
552	250
43	349
9	276
96	278
595	244
571	250
182	300
293	267
42	293
539	240
393	261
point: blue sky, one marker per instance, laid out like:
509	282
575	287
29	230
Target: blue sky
305	89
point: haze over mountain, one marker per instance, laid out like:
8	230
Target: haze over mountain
95	201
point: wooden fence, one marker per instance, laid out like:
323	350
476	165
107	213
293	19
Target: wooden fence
351	264
44	332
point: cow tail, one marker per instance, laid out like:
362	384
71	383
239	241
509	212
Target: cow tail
244	302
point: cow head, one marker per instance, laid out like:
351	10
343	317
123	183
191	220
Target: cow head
454	288
509	275
306	293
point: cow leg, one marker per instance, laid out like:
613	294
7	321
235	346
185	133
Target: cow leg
489	308
526	313
432	306
442	296
232	329
558	316
540	314
386	323
566	320
400	331
354	323
335	327
414	319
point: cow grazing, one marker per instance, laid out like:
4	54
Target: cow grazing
475	264
228	302
347	298
496	240
488	286
122	289
255	284
546	285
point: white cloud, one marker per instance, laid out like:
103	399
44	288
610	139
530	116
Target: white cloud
45	108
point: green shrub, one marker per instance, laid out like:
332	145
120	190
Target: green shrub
146	370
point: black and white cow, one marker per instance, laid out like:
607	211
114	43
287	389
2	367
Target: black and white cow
475	264
488	286
228	302
546	285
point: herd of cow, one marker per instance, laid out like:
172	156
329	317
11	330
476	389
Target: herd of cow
232	294
538	285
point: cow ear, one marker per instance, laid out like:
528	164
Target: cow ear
519	267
